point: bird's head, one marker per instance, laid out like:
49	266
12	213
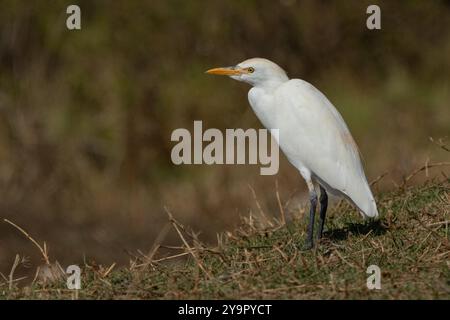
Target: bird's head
255	71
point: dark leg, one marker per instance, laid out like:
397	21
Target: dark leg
312	212
323	210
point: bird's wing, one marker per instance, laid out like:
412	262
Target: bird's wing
316	134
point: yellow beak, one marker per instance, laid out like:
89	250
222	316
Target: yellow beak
228	71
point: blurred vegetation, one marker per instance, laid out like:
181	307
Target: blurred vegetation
86	116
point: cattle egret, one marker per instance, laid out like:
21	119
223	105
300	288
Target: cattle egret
312	135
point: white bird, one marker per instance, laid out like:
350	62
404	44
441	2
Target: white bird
312	135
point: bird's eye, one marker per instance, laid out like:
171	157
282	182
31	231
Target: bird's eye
251	70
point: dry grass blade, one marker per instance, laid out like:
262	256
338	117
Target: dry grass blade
108	271
440	143
263	215
13	269
438	223
42	250
345	260
190	250
381	176
424	167
172	257
159	239
283	217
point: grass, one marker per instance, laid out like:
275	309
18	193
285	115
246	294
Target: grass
262	259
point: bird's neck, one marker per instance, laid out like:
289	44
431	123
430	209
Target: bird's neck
269	85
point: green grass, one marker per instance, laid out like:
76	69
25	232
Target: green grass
410	243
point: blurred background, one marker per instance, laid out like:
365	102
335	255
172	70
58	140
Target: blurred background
86	116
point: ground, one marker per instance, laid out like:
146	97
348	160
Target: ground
263	259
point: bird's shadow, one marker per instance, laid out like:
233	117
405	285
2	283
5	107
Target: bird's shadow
375	227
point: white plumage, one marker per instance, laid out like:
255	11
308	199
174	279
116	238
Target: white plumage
312	133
